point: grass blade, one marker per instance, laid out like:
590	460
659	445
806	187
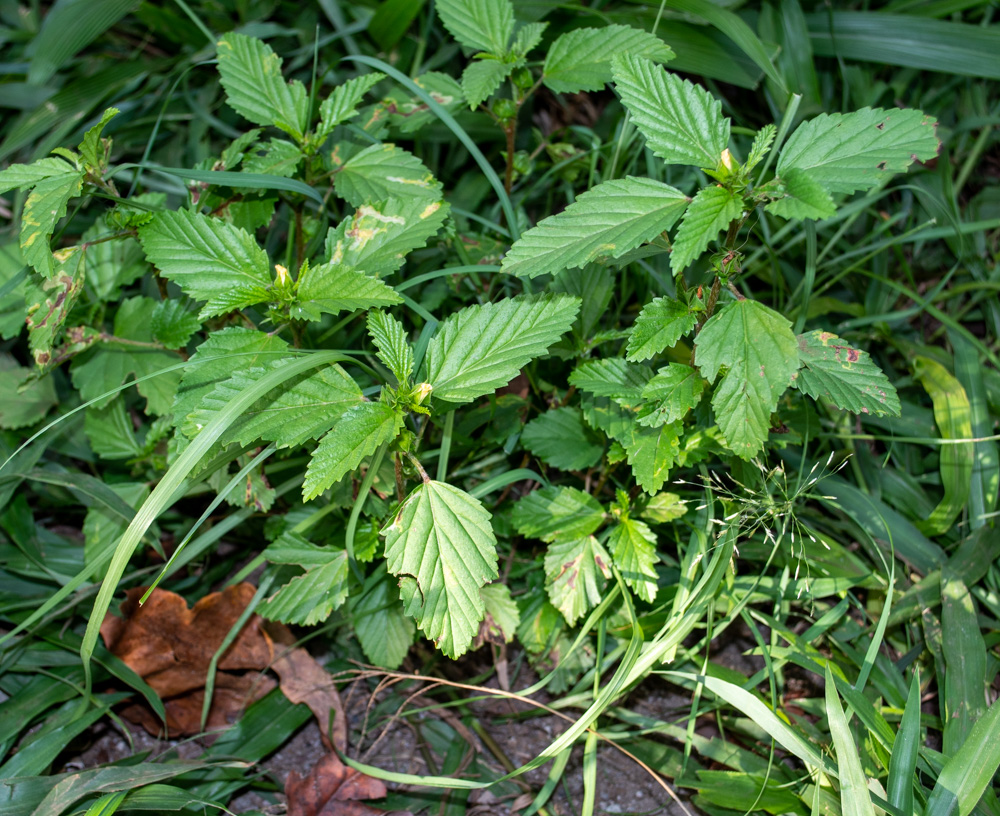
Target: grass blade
854	798
965	662
903	760
969	770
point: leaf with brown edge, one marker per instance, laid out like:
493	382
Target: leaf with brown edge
333	789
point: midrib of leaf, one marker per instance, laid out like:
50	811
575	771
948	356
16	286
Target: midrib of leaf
164	492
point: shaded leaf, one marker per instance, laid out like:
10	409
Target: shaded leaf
560	439
342	104
557	512
18	407
383	629
677	388
661	323
311	597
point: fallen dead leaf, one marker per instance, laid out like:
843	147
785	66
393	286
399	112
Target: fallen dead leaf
170	646
333	789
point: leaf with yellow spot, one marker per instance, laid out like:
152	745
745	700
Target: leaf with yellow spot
44	207
385	171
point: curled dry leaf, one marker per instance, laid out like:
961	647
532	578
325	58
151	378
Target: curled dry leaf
333	789
170	646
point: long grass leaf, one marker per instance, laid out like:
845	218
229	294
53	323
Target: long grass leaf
903	760
965	661
969	770
854	797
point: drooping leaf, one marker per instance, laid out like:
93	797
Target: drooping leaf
676	389
482	347
663	508
378	237
302	409
855	151
250	73
605	222
633	546
801	197
557	512
43	208
580	60
331	288
712	210
682	123
502	615
90	147
308	598
576	572
560	439
844	375
384	171
20	408
342	104
111	433
209	259
49	302
441	545
611	377
173	325
357	435
383	629
481	78
757	347
483	25
661	323
391	343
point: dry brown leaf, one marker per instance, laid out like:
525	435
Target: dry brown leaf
333	789
170	646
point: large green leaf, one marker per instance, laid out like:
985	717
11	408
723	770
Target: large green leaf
378	237
23	176
605	222
799	195
358	433
384	171
250	72
633	546
580	60
612	377
576	572
342	104
481	78
713	209
560	439
682	123
855	151
844	375
311	597
677	388
302	409
331	288
484	25
660	324
761	355
651	452
383	629
209	259
45	205
557	512
441	545
483	347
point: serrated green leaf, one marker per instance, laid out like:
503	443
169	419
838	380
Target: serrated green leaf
391	343
411	113
358	433
173	324
308	598
483	25
712	210
676	389
844	375
663	508
385	171
527	38
605	222
383	629
111	433
90	147
557	512
761	146
342	104
277	157
45	205
608	416
331	288
302	409
802	197
633	546
660	324
682	122
23	176
250	73
481	78
502	616
441	545
576	572
214	360
855	151
20	408
580	60
110	364
209	259
757	347
483	347
611	377
49	303
378	237
651	453
560	439
594	285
